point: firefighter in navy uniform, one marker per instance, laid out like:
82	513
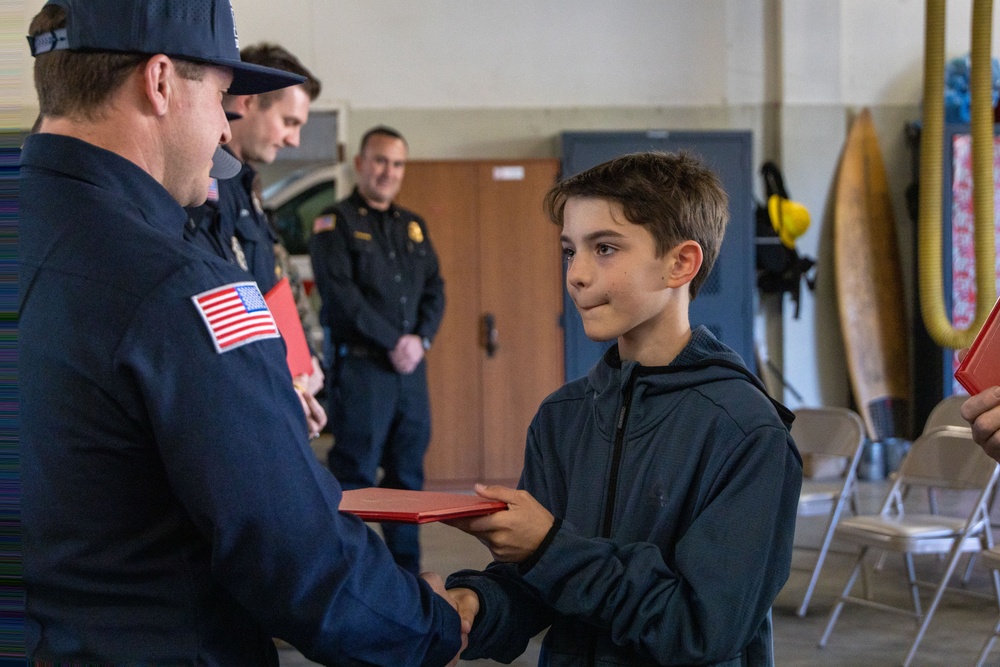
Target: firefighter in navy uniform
383	299
173	511
232	223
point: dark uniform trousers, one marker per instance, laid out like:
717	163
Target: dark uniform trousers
380	407
378	275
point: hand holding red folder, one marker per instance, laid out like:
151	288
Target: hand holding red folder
514	535
982	411
978	371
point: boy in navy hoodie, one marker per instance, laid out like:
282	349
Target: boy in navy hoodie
654	518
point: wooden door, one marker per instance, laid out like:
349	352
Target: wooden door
521	274
446	197
499	255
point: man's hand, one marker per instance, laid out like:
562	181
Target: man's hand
511	536
467	602
407	354
437	585
982	411
314	412
314	381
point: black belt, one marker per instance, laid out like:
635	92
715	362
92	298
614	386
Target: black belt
362	351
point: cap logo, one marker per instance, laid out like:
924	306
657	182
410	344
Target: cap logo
236	35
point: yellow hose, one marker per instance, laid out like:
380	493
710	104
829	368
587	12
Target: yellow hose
932	307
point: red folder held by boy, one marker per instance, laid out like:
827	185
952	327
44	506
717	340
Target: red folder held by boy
404	506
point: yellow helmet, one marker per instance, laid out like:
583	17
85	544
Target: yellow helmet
789	219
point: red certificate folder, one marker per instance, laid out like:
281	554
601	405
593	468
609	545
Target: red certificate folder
286	315
399	506
981	367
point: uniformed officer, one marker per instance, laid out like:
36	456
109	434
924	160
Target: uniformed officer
173	512
232	222
383	299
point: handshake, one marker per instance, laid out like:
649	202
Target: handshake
511	536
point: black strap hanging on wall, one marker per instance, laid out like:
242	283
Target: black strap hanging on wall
780	221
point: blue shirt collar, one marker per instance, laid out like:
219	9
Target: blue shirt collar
86	162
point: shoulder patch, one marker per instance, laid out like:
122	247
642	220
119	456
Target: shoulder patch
364	236
235	314
325	223
213	190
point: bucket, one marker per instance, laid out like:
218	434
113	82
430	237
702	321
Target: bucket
894	450
871	468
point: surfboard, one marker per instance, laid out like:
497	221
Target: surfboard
869	282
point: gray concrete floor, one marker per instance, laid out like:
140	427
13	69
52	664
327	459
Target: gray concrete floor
862	636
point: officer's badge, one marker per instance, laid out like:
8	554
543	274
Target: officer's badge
324	223
241	257
416	234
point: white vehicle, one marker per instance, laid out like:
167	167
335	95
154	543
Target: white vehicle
294	202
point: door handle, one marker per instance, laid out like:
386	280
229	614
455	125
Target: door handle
491	335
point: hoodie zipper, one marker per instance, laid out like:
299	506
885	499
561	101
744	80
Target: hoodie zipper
609	502
619	445
616	458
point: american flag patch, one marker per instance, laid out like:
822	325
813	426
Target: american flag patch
324	223
235	315
213	190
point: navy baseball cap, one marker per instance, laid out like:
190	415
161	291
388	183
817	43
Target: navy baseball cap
199	30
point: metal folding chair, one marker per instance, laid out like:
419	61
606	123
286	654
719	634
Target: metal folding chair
944	458
946	413
827	433
990	559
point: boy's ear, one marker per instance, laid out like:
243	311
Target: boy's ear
684	261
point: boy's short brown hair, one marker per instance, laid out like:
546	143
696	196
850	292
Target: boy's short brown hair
673	195
77	83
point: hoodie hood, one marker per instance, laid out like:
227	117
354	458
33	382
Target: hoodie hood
703	361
